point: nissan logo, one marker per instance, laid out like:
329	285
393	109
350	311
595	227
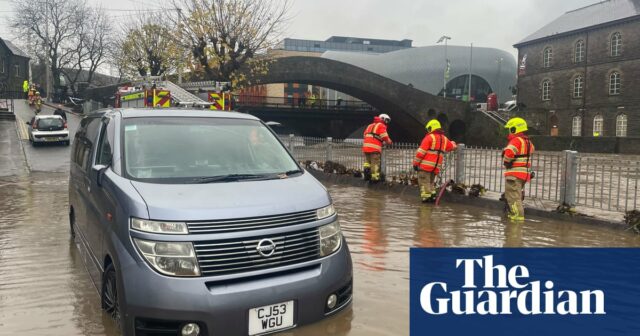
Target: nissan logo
266	247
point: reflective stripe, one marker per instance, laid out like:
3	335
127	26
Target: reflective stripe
420	150
372	146
433	141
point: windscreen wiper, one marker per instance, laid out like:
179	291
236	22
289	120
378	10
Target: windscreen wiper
229	178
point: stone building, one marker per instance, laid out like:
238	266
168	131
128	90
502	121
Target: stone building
14	67
580	74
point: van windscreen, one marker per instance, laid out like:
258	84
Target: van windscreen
189	150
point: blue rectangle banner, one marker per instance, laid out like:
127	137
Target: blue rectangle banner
525	291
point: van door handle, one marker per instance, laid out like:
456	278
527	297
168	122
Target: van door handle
88	188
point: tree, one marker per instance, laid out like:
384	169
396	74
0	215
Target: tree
147	48
225	36
68	34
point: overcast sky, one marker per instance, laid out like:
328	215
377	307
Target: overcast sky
487	23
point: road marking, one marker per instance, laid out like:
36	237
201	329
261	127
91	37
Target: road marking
22	129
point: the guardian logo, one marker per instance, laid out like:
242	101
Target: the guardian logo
505	292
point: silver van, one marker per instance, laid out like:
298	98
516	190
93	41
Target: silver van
194	222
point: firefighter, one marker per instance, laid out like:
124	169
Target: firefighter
25	89
375	135
517	161
430	157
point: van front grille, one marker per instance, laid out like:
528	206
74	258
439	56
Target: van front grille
251	223
222	257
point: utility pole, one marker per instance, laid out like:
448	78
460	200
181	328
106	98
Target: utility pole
47	59
499	60
470	71
445	38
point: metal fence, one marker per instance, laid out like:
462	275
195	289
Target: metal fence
607	182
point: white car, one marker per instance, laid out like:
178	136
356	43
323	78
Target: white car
48	128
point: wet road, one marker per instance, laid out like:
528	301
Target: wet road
45	290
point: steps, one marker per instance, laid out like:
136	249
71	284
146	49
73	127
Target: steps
180	94
4	115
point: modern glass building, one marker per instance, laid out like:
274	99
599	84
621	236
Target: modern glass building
343	43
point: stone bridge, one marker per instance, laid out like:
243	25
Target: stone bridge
408	107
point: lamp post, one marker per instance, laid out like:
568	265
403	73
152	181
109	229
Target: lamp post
499	60
445	38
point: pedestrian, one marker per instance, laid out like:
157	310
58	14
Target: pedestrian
430	157
517	161
59	111
375	135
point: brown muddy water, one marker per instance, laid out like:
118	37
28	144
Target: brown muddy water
45	290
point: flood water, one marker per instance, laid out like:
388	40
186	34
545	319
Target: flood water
45	290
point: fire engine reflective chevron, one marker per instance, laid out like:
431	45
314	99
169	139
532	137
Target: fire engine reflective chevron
374	135
517	158
430	155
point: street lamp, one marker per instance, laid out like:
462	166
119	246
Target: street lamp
445	38
499	60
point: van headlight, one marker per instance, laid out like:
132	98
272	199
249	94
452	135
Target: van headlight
158	226
330	238
170	258
325	212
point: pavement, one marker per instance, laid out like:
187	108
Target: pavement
49	157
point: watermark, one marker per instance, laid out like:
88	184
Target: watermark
577	291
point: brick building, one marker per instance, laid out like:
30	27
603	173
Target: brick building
580	74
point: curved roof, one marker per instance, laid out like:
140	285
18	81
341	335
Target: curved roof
423	66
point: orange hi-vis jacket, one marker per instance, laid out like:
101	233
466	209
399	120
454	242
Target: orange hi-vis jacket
374	135
517	157
430	155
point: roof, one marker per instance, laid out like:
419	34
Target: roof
593	15
189	113
14	50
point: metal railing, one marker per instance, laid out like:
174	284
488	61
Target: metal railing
301	102
607	182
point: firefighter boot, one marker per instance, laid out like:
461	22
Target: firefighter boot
515	214
366	172
424	194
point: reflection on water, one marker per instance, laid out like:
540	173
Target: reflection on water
45	290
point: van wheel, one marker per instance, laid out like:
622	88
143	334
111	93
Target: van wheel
110	300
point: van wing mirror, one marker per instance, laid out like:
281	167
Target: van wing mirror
99	170
28	123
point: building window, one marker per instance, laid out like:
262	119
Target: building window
616	44
614	83
621	125
546	90
546	57
598	122
576	126
1	65
17	70
578	85
579	52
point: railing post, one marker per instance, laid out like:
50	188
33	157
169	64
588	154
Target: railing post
383	162
291	145
329	149
460	163
570	177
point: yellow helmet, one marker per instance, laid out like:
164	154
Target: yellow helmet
516	125
433	125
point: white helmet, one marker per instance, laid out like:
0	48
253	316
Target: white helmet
385	118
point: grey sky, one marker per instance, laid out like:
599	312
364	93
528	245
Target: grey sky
493	23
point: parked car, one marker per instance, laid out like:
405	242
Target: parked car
48	129
193	222
509	106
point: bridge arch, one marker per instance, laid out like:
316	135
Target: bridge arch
408	107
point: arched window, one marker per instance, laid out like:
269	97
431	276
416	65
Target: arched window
578	85
615	83
579	52
576	126
621	125
546	90
547	55
598	122
616	44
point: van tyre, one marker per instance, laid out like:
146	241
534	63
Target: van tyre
110	298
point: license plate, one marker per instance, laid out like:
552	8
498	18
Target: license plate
51	139
270	318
